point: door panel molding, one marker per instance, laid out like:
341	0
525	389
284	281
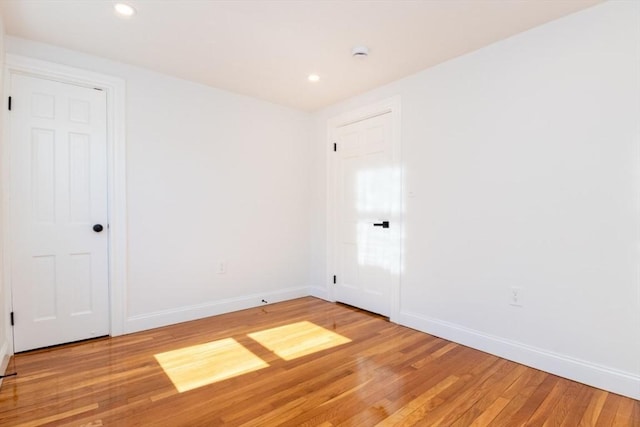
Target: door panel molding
114	89
392	106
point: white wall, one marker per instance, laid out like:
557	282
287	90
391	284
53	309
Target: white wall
211	176
524	161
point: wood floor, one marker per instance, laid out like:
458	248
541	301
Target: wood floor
304	362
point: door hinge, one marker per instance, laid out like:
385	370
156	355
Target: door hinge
12	319
9	103
334	279
335	146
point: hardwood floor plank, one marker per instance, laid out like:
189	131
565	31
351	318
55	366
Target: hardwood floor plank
463	391
552	398
385	375
487	395
635	414
528	399
609	411
490	413
419	403
592	412
565	405
58	416
623	415
578	406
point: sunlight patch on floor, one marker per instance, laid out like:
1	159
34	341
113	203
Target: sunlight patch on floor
203	364
298	339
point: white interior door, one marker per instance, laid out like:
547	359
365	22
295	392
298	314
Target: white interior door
58	193
366	183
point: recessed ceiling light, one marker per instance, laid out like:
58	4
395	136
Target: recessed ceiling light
124	10
313	77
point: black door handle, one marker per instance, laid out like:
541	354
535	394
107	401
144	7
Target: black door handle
383	224
98	228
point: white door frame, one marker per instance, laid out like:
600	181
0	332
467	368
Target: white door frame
116	191
391	106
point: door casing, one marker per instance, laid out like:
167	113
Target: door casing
392	106
116	178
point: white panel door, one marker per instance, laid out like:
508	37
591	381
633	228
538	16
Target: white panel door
366	183
59	265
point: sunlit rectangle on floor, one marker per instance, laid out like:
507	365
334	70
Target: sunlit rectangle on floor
203	364
298	339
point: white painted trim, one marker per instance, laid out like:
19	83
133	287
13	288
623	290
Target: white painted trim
319	292
116	157
589	373
5	235
193	312
5	357
391	105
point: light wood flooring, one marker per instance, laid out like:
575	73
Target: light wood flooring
304	362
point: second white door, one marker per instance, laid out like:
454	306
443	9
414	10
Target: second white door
366	185
58	199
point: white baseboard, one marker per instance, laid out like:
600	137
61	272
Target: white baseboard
602	377
5	357
158	319
319	292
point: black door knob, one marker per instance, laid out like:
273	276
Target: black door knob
98	228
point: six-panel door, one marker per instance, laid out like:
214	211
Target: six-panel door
59	265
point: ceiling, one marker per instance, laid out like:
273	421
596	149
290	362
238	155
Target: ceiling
267	48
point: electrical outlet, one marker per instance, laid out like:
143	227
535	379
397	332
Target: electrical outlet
515	296
222	267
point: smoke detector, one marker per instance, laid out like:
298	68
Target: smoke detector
360	52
